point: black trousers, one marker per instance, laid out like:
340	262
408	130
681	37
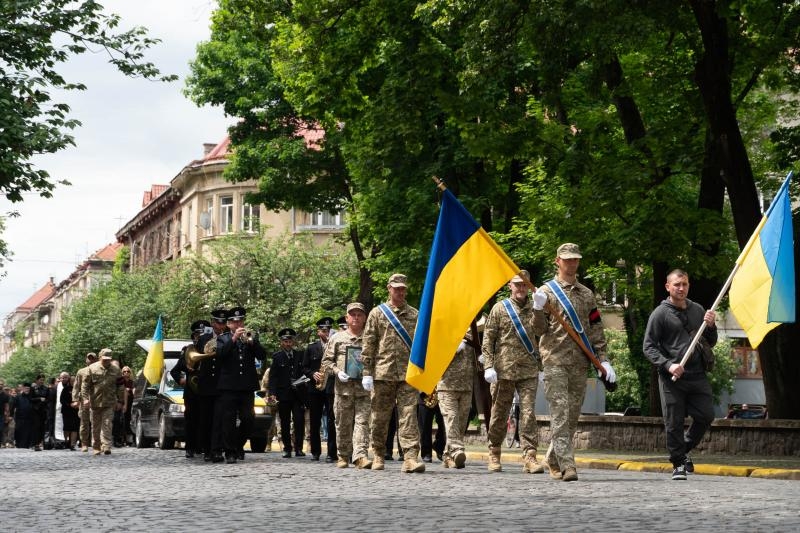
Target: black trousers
293	410
209	435
192	422
390	434
232	406
320	405
428	444
686	396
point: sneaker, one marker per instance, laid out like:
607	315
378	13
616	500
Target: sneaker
459	459
679	473
688	464
570	474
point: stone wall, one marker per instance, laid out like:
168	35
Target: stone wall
646	434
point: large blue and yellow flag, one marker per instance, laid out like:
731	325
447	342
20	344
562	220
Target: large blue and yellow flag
154	364
466	268
762	290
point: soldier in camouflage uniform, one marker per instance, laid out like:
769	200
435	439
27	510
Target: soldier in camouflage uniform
385	355
84	409
103	390
565	365
351	404
455	400
508	366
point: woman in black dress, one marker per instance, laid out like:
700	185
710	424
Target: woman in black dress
68	412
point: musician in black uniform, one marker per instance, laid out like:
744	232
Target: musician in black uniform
286	369
237	352
209	436
320	402
40	398
185	375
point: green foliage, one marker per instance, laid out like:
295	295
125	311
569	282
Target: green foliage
629	387
23	366
724	373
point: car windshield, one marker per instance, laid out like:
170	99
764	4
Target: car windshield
171	384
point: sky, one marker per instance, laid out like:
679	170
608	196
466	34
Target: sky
134	133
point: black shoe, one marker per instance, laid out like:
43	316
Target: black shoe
388	457
329	459
217	457
230	458
427	458
299	454
439	455
400	456
286	455
688	464
241	455
189	454
37	448
207	457
679	473
315	457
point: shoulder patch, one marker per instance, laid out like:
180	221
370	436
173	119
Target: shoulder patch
594	316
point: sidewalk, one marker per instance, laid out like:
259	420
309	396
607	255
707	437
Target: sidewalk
714	465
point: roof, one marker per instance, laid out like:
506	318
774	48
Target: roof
106	253
154	192
38	297
172	347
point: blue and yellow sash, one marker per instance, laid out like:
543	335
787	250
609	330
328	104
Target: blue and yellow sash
395	322
518	327
570	310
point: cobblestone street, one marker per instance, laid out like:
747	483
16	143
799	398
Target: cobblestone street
157	490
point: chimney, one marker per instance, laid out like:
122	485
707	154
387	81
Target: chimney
207	147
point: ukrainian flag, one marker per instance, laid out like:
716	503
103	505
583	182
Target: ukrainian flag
762	290
466	268
154	364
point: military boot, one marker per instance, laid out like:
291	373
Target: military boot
412	465
377	462
459	458
494	459
342	462
570	474
363	463
531	465
448	461
552	465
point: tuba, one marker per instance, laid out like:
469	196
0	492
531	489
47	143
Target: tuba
193	356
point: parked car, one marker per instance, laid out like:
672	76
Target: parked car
157	410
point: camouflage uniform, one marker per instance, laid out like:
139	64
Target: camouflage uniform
103	387
351	403
516	369
84	411
385	358
455	397
566	367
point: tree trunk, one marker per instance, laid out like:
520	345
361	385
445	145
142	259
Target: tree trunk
777	353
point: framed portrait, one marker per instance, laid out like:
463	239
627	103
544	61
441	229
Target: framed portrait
353	366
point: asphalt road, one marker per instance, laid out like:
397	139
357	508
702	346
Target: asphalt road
157	490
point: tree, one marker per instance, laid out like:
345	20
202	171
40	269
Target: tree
36	36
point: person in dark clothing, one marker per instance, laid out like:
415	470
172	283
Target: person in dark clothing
429	444
184	374
285	376
684	390
69	414
40	396
22	411
320	398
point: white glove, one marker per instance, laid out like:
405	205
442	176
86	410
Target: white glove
461	347
343	377
539	299
367	383
611	376
490	375
481	359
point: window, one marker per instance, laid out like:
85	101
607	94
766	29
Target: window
326	219
207	217
225	214
250	217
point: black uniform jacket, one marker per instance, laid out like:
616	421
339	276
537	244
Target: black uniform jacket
283	371
237	363
312	361
207	370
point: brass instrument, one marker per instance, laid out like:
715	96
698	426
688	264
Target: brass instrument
193	356
431	400
320	385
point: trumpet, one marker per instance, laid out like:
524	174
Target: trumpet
249	335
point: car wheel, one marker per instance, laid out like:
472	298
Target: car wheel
138	435
164	442
258	444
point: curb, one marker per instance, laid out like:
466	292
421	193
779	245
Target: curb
659	468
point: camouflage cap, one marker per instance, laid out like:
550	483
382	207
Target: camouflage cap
518	278
105	353
569	250
356	305
397	280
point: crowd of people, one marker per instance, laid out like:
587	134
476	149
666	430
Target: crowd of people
350	383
